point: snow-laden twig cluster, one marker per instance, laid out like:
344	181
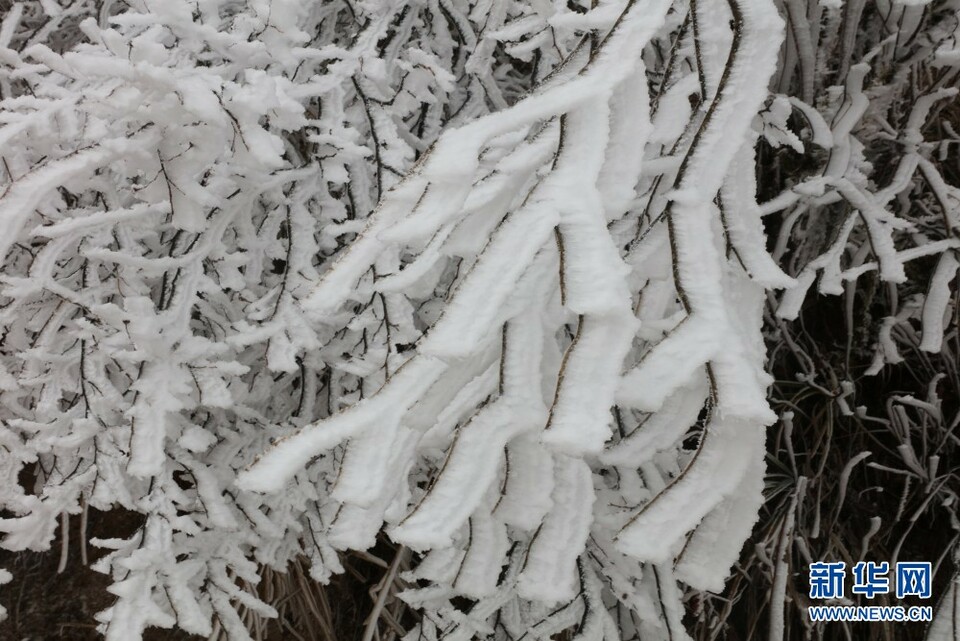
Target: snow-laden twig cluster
485	447
171	184
486	278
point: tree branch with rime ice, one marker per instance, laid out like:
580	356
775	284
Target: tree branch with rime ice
485	281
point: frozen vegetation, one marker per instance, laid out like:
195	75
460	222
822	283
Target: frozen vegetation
492	285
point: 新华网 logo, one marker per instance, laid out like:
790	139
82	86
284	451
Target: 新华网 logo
910	579
870	579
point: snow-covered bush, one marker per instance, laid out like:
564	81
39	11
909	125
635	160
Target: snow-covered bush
487	278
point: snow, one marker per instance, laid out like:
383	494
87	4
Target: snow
5	577
744	224
475	456
944	625
274	468
714	547
450	276
662	429
528	486
580	419
20	199
714	474
467	319
479	571
668	366
550	574
936	305
469	469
